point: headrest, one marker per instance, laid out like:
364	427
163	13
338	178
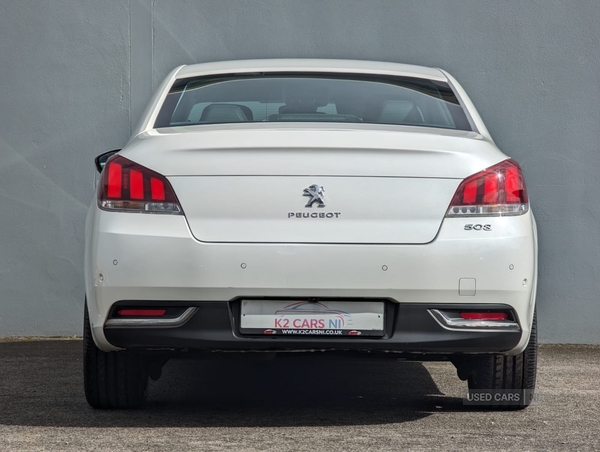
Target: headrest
395	111
223	113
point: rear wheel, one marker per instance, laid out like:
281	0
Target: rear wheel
507	382
113	379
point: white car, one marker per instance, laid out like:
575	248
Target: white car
310	205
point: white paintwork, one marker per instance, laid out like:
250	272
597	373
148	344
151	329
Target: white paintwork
313	149
310	65
242	167
272	208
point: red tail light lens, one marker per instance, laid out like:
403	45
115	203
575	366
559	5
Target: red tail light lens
128	187
496	191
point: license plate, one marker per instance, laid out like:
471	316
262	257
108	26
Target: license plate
304	318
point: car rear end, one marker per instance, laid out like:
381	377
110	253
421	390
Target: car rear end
306	229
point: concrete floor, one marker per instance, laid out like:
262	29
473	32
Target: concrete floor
295	402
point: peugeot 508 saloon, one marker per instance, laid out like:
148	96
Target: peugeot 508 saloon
271	206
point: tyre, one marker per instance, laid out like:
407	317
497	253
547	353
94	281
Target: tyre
113	379
509	381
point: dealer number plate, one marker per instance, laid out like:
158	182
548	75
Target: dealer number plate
308	318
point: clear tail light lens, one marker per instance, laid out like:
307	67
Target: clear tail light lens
496	191
128	187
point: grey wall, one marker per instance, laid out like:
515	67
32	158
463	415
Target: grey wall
75	75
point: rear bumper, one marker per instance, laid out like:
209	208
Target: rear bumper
409	328
155	258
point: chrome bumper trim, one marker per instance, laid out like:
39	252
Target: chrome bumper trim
177	321
458	323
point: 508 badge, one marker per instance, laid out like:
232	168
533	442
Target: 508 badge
478	227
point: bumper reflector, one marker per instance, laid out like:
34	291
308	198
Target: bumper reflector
469	320
484	315
148	317
141	312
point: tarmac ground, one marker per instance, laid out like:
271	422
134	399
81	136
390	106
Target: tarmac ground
296	402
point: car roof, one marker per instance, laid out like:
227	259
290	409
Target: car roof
310	65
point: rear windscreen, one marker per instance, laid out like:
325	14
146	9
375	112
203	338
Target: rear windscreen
312	98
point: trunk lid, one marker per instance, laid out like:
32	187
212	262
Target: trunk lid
377	185
277	208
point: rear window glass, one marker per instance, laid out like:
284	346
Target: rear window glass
312	98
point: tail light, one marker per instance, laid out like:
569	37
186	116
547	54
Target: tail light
495	191
128	187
